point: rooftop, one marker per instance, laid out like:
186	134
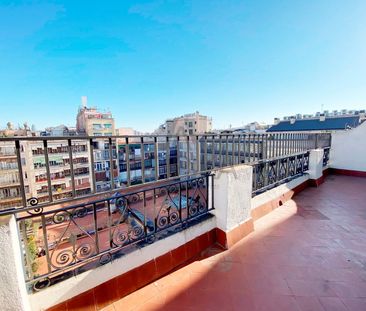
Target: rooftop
329	123
308	254
261	222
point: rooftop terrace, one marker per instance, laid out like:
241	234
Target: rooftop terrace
307	255
254	222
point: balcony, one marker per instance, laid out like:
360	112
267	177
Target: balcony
245	234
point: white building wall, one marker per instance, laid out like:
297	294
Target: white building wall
348	150
13	295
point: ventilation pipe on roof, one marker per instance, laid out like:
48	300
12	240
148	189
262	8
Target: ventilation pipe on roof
322	117
362	115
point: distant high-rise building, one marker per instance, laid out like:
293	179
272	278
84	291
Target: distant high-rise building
93	122
188	124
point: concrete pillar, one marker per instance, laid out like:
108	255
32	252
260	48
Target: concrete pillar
232	199
13	293
316	166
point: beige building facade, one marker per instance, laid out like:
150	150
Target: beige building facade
94	123
188	124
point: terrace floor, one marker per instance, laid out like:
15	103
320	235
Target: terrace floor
309	255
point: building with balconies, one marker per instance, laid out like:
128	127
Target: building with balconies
91	122
61	175
10	192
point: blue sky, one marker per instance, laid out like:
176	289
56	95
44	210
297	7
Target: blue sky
237	61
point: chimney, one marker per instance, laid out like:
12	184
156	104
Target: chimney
322	117
362	115
292	120
84	101
276	121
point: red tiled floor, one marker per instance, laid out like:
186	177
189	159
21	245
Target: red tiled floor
307	259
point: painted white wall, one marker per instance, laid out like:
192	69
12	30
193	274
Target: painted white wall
348	149
232	195
316	163
275	193
13	295
74	286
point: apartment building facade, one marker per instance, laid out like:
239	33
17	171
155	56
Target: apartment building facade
60	169
141	166
91	122
10	192
188	124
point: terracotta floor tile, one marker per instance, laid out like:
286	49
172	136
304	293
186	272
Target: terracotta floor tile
311	288
354	304
332	304
109	308
349	289
309	303
275	303
306	255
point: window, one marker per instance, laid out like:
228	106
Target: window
190	124
108	126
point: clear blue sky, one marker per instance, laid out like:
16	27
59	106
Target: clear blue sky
237	61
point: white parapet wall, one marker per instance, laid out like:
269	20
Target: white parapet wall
277	192
233	192
13	295
316	163
74	286
348	149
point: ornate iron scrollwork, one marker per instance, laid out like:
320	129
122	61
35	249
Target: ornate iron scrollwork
272	172
326	156
66	250
259	175
292	166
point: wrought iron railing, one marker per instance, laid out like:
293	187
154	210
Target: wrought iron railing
135	160
271	173
326	157
62	242
135	190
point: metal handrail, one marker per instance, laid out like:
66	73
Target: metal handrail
194	154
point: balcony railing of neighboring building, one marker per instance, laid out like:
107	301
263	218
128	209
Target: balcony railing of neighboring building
179	155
